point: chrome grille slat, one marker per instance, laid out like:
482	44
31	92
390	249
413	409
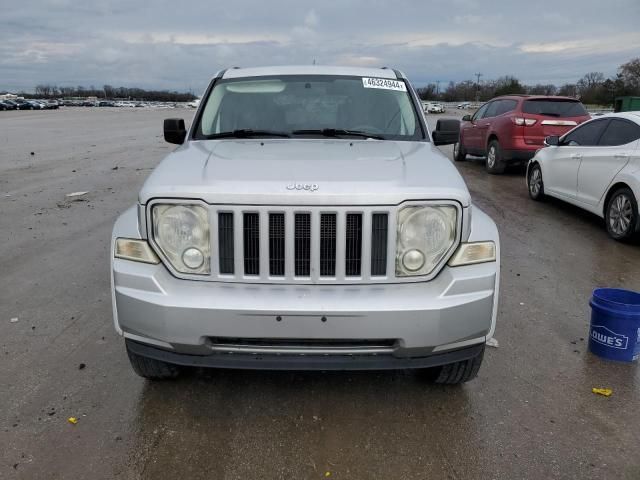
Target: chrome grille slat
289	247
315	245
365	242
263	251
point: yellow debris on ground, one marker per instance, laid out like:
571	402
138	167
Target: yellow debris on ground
602	391
72	420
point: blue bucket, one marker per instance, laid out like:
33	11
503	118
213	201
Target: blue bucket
615	324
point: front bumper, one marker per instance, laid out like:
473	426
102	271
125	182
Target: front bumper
454	311
304	362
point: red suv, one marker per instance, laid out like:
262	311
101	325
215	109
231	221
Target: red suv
510	129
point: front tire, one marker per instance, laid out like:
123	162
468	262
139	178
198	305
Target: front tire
621	215
151	368
459	153
535	183
495	163
458	372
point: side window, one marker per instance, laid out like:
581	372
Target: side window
619	132
492	109
506	106
586	135
480	112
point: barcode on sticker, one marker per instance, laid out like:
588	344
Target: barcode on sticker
384	83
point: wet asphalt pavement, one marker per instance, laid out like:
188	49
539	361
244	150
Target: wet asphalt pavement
530	414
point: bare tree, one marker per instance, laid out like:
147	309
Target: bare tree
629	73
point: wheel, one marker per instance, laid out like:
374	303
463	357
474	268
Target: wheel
495	163
459	153
151	368
456	373
621	215
536	185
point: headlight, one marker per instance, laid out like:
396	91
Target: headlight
425	234
181	232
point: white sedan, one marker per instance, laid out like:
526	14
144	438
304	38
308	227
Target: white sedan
434	108
595	166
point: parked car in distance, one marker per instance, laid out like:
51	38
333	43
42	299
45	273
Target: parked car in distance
10	104
276	238
595	166
29	105
106	103
52	104
434	108
23	104
510	129
463	105
6	105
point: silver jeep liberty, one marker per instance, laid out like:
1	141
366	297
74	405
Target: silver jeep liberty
306	221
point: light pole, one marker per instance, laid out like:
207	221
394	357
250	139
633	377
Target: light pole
478	75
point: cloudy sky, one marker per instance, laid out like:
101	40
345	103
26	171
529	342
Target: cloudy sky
180	45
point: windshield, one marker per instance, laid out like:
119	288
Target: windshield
554	108
308	106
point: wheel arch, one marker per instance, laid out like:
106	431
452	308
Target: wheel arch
533	162
612	189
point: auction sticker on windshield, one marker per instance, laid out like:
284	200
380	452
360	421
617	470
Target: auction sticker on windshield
384	83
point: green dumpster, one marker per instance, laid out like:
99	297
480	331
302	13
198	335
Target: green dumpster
627	104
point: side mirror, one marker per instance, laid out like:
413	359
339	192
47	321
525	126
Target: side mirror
466	118
552	141
174	130
446	132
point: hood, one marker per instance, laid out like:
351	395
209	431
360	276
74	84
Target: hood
336	172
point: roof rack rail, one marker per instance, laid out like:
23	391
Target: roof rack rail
398	76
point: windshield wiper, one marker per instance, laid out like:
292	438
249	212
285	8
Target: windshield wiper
247	133
336	132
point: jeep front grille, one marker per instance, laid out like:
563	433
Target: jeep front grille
302	244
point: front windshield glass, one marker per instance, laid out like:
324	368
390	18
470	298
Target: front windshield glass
308	106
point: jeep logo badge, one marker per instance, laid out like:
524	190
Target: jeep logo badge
312	187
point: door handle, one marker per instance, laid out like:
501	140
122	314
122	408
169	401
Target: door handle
621	155
577	156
